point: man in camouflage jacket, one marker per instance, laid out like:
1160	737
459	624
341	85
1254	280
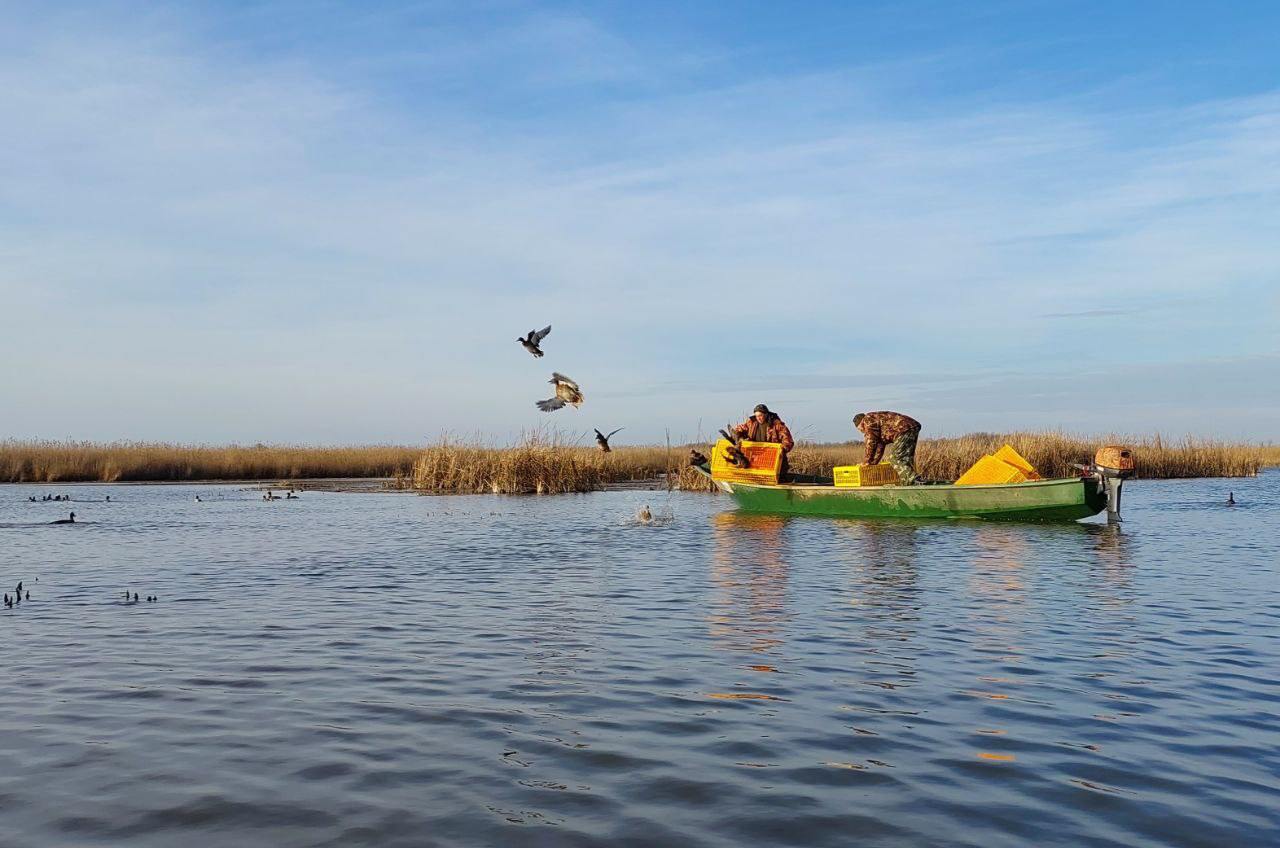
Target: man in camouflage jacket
766	426
895	431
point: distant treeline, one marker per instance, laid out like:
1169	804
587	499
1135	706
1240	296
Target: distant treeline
542	463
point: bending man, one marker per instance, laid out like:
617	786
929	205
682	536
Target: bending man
766	426
895	431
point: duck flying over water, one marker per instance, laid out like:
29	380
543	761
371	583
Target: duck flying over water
567	391
603	441
531	341
71	520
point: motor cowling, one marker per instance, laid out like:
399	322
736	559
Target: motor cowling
1115	461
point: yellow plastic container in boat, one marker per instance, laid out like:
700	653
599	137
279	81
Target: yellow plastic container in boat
990	471
764	458
1017	460
851	476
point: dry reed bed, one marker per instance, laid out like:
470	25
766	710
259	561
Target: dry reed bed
66	462
547	464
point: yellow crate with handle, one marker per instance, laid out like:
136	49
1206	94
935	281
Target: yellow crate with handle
1017	460
764	462
854	476
1004	466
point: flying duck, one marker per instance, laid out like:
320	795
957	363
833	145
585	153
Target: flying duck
603	441
567	391
530	341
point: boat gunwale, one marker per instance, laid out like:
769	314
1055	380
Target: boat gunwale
816	487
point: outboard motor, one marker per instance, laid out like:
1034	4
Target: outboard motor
1112	465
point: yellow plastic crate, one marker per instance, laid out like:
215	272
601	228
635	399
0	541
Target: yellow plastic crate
991	471
1017	460
765	459
850	476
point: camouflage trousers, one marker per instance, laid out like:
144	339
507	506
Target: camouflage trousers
902	456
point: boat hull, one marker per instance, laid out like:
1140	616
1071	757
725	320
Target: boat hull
1067	499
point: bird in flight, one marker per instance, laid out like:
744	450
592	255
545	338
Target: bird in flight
567	391
603	441
530	341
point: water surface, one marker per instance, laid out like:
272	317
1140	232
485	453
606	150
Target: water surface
383	669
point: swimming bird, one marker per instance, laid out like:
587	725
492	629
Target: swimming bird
644	514
28	594
19	590
135	597
71	520
198	499
567	391
1231	499
530	341
603	441
8	603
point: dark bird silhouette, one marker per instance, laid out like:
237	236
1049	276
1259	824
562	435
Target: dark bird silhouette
567	391
531	341
696	458
28	594
198	499
7	603
135	597
71	520
19	590
603	441
1231	499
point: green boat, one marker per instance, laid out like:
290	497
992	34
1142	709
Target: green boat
1066	499
1062	499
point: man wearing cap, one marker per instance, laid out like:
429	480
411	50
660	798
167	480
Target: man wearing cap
895	431
765	426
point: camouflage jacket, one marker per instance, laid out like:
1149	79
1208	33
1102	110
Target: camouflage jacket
881	428
772	430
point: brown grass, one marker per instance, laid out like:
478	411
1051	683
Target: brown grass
549	464
538	464
59	462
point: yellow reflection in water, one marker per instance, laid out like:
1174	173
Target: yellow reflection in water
749	574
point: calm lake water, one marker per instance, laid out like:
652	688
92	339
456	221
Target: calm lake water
392	670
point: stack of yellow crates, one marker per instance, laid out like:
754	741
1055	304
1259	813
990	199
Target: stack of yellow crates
850	476
1004	466
765	459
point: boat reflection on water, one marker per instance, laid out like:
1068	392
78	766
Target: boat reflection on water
883	563
996	571
1111	578
749	572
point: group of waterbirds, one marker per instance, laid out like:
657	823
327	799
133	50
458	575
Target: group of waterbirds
567	391
10	603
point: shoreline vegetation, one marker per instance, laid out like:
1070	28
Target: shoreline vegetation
542	463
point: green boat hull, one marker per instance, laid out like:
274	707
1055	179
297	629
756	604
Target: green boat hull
1067	499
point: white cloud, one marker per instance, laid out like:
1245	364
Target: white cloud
267	235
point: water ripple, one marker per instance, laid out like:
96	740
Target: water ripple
403	671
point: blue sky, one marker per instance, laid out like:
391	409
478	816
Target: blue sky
327	222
